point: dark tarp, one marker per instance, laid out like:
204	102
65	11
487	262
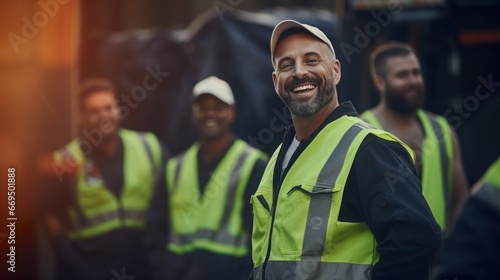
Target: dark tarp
232	45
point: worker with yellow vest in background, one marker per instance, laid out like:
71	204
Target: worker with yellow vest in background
397	76
96	208
473	249
209	187
325	208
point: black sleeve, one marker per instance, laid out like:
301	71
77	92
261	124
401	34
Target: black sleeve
384	191
157	226
473	249
253	184
54	199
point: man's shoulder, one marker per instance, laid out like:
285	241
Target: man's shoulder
193	150
146	137
129	132
251	149
372	141
71	148
374	145
432	116
366	113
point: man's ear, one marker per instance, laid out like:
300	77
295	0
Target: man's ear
379	83
232	117
337	71
275	81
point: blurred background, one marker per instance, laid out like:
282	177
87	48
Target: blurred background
48	46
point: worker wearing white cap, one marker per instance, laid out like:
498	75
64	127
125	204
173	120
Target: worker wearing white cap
209	187
338	199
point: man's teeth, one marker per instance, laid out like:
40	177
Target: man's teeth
304	87
210	123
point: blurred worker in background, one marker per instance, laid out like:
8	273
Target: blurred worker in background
95	208
209	188
397	76
473	249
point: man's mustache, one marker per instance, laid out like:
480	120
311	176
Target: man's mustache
296	81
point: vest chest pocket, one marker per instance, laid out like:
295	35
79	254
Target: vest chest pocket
304	220
261	225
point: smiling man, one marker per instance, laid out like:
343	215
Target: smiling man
209	187
325	207
95	208
397	76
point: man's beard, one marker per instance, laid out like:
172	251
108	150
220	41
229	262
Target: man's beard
398	102
325	94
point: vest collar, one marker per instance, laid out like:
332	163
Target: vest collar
344	109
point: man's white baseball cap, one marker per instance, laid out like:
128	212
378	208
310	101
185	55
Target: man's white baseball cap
288	24
216	87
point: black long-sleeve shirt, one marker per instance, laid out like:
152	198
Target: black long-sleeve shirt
383	191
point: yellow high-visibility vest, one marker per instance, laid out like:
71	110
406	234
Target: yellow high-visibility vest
308	241
95	209
437	162
212	221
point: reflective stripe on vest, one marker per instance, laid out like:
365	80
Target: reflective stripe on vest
315	270
319	207
94	209
133	215
219	240
436	161
439	200
321	254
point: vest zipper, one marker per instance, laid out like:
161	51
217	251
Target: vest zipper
277	180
